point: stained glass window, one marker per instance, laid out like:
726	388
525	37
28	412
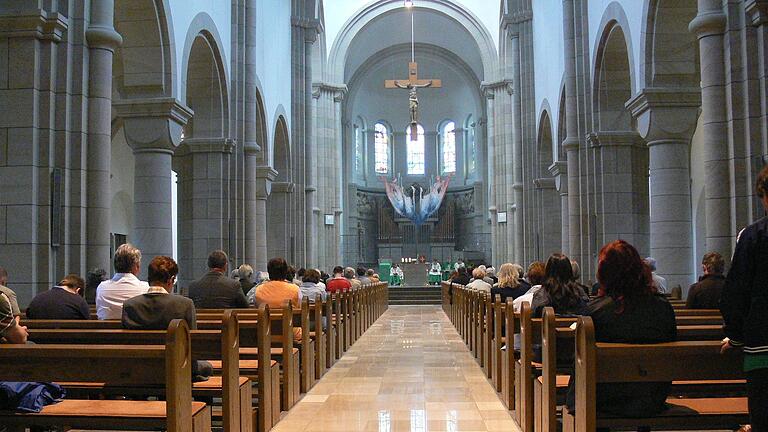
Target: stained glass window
381	148
415	151
448	147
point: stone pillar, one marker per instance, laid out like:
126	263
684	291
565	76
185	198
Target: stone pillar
153	130
710	25
264	176
559	171
252	149
517	150
572	142
208	217
757	10
666	119
492	181
102	41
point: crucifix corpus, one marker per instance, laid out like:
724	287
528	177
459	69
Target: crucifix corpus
413	82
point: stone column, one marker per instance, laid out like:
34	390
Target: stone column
559	171
252	149
490	156
153	130
208	217
102	41
517	149
757	10
709	25
264	176
666	119
572	142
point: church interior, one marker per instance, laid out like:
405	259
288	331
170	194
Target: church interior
454	190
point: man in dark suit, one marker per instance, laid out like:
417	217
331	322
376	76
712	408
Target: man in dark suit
155	309
215	290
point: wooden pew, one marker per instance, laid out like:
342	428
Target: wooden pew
598	362
550	381
166	366
221	344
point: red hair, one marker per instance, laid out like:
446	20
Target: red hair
622	273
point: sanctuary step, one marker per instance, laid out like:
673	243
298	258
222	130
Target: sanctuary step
415	295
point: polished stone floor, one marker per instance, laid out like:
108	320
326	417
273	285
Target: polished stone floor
409	372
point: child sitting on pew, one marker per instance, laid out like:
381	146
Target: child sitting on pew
628	310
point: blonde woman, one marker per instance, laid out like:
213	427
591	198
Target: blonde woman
509	282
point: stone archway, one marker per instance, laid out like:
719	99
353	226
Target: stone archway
280	241
666	111
203	159
548	221
621	208
151	119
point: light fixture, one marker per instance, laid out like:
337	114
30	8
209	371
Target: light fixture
408	3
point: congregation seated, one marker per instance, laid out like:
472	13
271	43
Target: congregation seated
462	278
534	277
214	290
299	278
349	274
626	301
311	287
125	284
372	276
155	309
559	290
61	302
490	273
92	280
478	282
706	293
659	282
10	329
361	276
338	282
508	285
279	289
245	273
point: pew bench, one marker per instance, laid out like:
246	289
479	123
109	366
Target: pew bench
166	366
598	362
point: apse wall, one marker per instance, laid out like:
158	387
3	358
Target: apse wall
456	101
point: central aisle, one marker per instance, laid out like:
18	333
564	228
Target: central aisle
409	372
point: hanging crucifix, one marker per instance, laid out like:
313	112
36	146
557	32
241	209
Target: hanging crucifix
413	82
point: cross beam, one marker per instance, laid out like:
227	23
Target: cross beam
413	80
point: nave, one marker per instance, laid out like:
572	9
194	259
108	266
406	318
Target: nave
410	371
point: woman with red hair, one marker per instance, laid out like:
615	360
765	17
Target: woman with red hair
629	310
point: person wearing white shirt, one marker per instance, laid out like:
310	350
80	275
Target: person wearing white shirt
112	293
478	283
659	282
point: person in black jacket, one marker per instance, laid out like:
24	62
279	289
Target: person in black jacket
621	315
706	293
215	290
744	304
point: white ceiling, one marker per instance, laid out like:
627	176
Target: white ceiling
337	12
431	29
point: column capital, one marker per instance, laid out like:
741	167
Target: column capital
489	88
757	10
153	124
545	183
666	113
35	23
265	176
614	139
206	145
559	171
710	20
337	91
